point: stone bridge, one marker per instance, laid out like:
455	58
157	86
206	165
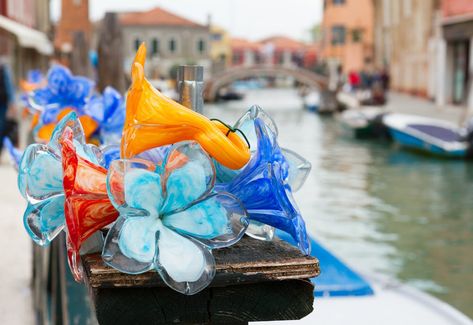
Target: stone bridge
225	78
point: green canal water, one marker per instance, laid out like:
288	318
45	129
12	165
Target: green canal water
381	209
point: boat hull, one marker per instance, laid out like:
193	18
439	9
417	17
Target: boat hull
415	143
365	123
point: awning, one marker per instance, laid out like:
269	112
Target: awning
27	37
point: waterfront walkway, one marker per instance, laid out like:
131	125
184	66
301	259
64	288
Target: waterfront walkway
406	104
15	253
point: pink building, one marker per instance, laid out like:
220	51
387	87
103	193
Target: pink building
457	25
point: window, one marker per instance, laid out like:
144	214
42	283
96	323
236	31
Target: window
338	2
216	37
201	46
356	35
172	45
155	46
137	43
338	35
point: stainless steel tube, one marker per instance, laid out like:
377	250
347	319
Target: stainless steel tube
190	85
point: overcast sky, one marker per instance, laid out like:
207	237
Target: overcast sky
253	19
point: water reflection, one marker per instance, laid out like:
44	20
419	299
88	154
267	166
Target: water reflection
380	208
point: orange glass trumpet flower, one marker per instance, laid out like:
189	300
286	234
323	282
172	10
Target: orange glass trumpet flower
153	120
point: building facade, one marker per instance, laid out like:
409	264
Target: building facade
347	34
171	41
457	58
220	48
24	44
408	44
275	50
246	53
288	52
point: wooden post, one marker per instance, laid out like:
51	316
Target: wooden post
110	54
80	63
255	281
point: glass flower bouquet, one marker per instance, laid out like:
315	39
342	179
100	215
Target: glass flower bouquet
179	185
60	93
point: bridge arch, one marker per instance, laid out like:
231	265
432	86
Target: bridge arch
220	80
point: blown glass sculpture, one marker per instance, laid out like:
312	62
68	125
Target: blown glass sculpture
153	120
263	188
87	206
108	111
62	94
296	167
170	219
33	81
13	152
40	181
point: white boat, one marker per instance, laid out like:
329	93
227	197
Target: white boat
312	101
429	135
343	296
365	122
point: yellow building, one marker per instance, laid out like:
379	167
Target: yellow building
220	48
347	29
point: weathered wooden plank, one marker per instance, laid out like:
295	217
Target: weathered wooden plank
249	261
237	304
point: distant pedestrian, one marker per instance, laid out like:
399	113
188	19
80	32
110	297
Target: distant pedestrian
7	96
354	80
385	79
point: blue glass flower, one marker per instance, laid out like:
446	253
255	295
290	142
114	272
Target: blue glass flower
296	168
264	188
34	76
109	111
40	180
13	152
170	219
63	90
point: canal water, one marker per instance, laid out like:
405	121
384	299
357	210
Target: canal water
381	209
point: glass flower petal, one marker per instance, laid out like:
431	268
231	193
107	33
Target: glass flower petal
185	265
189	175
44	220
217	221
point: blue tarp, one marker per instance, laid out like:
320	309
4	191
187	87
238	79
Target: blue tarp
336	278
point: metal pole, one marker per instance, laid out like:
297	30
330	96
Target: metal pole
190	85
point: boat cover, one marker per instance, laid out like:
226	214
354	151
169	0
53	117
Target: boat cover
336	278
439	132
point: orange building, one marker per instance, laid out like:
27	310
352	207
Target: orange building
74	18
347	29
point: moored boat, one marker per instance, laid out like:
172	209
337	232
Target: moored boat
312	101
365	122
429	135
344	296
